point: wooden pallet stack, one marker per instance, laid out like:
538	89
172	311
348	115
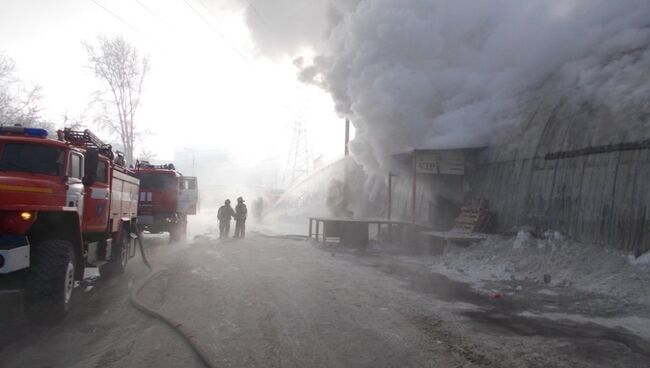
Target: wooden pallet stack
474	217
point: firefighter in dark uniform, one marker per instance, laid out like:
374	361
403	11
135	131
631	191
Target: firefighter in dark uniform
241	212
224	216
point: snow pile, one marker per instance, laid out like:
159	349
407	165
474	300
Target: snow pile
523	239
586	267
644	260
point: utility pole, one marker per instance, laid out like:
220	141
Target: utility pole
347	137
346	188
390	204
415	187
390	195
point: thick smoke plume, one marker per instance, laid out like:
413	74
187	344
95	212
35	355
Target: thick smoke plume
455	73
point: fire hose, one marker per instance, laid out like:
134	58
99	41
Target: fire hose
284	236
176	326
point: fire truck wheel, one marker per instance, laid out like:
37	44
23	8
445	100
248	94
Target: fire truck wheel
173	233
184	229
119	259
178	232
50	282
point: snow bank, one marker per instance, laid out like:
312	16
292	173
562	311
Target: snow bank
644	260
586	267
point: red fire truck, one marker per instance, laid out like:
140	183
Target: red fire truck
166	198
64	204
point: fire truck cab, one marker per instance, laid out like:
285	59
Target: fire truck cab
166	198
65	204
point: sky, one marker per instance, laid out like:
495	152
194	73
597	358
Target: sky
409	74
209	88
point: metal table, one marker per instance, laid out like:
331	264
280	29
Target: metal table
351	231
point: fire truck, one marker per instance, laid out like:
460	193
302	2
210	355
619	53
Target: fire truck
65	204
166	198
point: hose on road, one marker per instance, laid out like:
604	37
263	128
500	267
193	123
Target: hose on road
284	236
178	327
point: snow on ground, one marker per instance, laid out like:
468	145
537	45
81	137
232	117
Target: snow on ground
642	260
585	267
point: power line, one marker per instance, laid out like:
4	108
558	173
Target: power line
215	30
155	14
258	14
120	19
205	20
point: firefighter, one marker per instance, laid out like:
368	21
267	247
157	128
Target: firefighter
224	216
240	218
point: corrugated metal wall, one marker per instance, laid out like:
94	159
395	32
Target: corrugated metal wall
601	198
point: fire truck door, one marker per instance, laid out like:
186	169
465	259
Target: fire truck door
188	195
75	193
96	201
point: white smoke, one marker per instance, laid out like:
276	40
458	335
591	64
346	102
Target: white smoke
453	73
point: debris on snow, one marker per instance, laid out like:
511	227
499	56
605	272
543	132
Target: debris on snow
523	239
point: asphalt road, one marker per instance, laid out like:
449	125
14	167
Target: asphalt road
273	302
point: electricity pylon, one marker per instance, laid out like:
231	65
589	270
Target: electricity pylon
298	156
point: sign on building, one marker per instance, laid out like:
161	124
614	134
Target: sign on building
440	162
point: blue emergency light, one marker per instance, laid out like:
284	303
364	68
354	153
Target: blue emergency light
18	130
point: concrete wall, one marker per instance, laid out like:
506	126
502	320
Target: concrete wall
593	197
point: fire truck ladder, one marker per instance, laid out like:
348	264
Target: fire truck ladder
87	139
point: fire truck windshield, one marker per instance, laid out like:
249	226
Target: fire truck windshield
157	181
31	158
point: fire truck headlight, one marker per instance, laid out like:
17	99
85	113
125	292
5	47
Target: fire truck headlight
26	216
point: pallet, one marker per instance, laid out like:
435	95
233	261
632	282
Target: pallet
470	226
474	217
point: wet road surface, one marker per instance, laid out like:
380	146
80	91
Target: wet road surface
272	302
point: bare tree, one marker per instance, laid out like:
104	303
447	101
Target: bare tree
19	102
146	155
74	122
119	65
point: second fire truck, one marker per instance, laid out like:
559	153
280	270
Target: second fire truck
166	199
